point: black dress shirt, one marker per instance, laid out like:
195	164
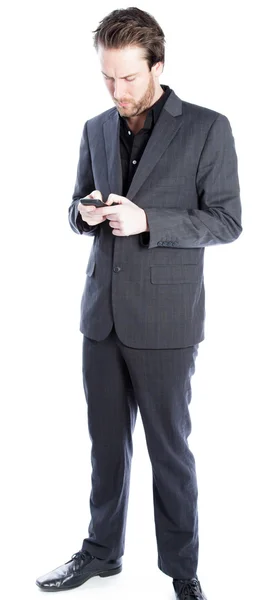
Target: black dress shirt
132	145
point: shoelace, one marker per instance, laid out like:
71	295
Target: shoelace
78	557
187	589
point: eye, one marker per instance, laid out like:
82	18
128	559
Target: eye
130	79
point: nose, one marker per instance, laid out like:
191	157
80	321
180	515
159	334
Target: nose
119	89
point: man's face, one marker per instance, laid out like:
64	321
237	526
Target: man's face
131	84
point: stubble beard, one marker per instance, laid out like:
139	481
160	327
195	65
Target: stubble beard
142	105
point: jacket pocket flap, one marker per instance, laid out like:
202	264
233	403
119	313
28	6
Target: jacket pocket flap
174	274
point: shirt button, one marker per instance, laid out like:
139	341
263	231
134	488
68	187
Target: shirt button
134	162
129	132
116	269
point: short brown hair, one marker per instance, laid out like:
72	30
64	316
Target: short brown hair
132	27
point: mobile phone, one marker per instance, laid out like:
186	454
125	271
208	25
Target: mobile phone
95	202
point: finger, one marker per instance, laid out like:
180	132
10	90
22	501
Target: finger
94	220
114	224
112	198
85	209
111	210
96	194
116	198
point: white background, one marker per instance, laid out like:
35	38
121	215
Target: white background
216	56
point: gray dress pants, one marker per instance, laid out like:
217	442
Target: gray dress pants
117	380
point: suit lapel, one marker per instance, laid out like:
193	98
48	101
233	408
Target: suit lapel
162	134
167	126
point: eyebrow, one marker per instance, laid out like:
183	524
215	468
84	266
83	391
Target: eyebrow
125	77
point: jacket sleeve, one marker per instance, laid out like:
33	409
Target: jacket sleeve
84	185
218	218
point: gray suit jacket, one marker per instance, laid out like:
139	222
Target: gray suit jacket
151	285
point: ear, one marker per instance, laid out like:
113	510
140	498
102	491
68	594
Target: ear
157	69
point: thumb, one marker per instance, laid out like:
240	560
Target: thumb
96	194
117	199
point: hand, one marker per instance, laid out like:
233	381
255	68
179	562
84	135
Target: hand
88	212
126	219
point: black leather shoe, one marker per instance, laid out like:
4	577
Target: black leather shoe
76	571
188	589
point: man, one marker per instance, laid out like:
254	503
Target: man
171	167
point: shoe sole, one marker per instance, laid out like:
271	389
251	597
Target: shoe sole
62	589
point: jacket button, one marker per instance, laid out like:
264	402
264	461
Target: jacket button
116	269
